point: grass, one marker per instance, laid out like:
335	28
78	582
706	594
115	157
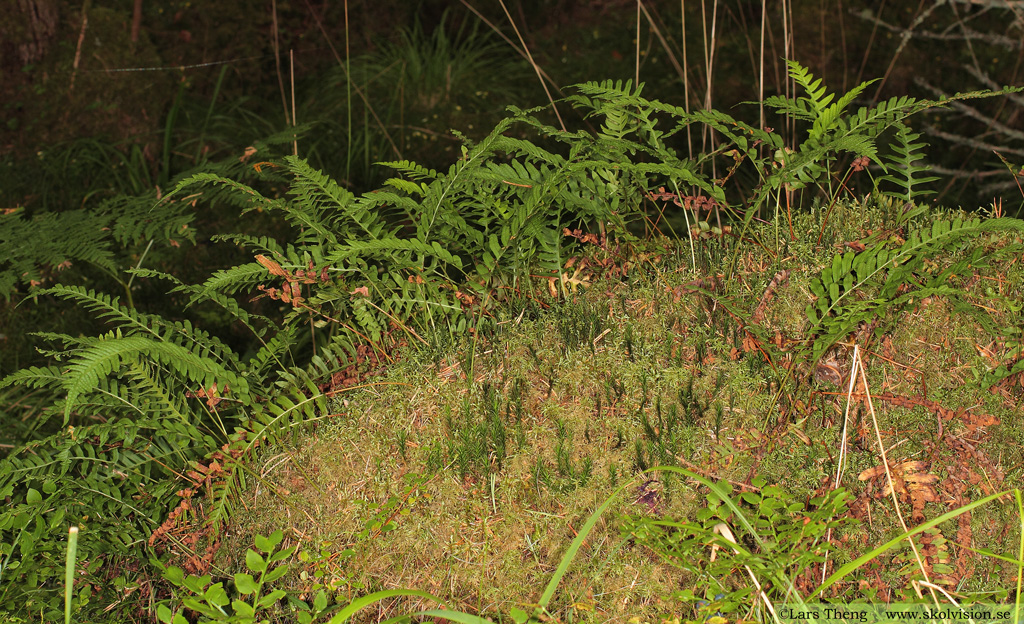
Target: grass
467	478
472	473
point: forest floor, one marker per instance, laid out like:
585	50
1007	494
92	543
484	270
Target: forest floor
467	471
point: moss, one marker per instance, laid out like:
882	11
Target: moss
627	375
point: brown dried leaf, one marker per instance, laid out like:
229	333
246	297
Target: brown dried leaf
273	267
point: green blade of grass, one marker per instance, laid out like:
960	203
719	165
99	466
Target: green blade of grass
577	543
69	572
454	616
859	561
367	600
1020	556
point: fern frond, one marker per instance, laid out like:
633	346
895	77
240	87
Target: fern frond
106	357
317	193
389	246
817	94
270	354
873	121
237	193
411	169
136	220
32	249
35	377
200	294
239	277
108	308
904	162
264	244
836	312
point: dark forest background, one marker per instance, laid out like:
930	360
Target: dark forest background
106	97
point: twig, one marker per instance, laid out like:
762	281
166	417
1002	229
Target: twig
78	49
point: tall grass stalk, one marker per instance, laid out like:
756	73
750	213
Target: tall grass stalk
888	472
533	64
1020	558
69	572
277	58
686	76
348	98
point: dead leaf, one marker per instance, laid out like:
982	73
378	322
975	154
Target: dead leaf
273	267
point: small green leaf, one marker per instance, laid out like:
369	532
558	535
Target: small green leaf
164	614
811	315
281	555
264	544
33	497
215	595
197	583
243	609
174	575
519	616
271	598
245	583
320	601
275	574
255	562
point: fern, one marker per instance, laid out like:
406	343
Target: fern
113	350
32	251
833	132
838	309
347	270
907	155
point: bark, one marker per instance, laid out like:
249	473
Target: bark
27	31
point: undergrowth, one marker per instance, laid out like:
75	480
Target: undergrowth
157	414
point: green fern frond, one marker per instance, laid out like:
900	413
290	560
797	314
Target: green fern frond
35	377
411	169
408	207
272	353
836	311
113	350
388	247
136	220
32	250
405	186
237	193
817	94
795	109
316	193
904	164
239	277
201	294
875	120
264	244
107	308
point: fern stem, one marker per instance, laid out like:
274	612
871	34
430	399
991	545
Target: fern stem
689	234
128	286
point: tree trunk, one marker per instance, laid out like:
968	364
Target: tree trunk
27	31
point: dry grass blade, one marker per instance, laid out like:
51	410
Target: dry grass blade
533	64
723	529
859	364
